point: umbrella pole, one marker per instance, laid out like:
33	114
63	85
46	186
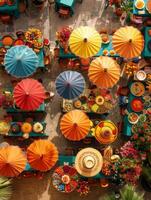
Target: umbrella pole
123	70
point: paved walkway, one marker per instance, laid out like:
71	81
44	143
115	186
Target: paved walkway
90	13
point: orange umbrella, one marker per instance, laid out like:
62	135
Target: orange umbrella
42	155
104	72
12	161
128	42
75	125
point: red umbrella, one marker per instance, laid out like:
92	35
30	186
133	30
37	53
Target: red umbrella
29	94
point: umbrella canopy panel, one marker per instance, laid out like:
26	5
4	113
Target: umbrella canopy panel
12	161
42	155
85	42
75	125
70	84
104	72
29	94
20	61
128	42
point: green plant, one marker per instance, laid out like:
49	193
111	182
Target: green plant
5	189
127	6
128	192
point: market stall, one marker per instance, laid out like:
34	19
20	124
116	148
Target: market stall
32	38
10	7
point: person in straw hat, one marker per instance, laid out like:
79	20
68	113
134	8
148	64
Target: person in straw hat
88	162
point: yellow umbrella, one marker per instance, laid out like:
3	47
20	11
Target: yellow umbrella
106	132
85	42
128	42
104	72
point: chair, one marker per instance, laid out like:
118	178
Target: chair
6	19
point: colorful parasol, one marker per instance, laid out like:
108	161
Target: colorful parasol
88	162
106	132
65	179
29	94
104	72
42	155
20	61
75	125
70	84
12	161
85	42
128	42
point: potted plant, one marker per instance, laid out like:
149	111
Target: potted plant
128	192
5	189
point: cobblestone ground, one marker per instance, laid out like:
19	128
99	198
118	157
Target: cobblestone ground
90	12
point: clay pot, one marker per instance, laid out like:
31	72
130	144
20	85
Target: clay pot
118	12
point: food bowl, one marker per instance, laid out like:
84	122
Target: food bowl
139	4
141	75
137	105
133	118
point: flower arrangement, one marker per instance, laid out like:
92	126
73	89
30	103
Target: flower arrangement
129	167
62	37
141	138
83	188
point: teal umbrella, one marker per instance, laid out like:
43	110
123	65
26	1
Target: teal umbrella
20	61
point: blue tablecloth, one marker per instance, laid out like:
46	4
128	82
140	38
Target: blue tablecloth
147	38
127	129
12	10
140	12
15	110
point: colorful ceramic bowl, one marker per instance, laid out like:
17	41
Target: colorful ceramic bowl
137	89
133	118
141	75
137	105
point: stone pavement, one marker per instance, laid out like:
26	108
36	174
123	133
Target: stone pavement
90	12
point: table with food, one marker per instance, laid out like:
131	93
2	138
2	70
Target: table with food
32	38
105	50
92	101
147	46
139	105
142	7
9	7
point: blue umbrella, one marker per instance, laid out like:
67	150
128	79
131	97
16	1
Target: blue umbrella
70	84
21	61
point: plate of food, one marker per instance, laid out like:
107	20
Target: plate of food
105	38
139	4
133	118
105	52
137	89
112	52
137	105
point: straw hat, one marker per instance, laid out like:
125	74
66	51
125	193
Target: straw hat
88	162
